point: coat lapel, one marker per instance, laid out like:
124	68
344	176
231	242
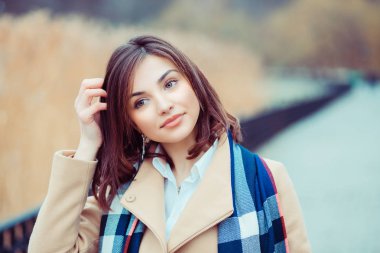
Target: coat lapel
211	202
145	199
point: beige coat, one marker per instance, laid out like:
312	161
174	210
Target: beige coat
69	221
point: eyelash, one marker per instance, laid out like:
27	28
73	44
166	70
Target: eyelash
170	81
137	104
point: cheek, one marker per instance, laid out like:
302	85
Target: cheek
192	101
136	119
187	95
145	121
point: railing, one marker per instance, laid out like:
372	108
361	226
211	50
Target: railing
264	126
15	233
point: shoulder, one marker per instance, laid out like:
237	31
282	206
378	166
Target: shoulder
277	169
290	207
274	166
281	178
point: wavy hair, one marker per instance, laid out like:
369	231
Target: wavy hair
122	142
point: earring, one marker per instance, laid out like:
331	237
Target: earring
145	140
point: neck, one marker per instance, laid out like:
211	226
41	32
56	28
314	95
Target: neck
178	152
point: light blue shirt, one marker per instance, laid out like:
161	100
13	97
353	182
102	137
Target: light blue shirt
176	198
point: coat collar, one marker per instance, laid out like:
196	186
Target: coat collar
210	203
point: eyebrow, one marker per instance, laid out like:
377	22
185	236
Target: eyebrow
165	74
158	81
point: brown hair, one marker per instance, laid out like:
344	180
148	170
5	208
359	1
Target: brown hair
122	142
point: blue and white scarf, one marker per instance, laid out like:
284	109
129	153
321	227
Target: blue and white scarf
255	201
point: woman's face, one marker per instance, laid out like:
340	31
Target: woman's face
162	104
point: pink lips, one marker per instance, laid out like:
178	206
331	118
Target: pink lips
172	121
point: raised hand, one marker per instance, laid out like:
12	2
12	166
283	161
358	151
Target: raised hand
88	107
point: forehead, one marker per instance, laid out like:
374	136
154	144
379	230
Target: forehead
149	70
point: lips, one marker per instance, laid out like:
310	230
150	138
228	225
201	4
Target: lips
171	119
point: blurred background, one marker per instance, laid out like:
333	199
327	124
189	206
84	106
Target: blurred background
260	55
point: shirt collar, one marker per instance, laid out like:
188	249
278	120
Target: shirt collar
161	165
202	164
197	171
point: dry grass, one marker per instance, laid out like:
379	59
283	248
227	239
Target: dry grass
42	62
323	33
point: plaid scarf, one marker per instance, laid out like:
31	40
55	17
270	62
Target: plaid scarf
256	225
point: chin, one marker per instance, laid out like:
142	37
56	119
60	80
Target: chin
176	135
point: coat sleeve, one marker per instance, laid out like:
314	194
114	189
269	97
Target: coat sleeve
68	220
294	223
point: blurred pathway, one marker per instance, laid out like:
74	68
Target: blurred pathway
333	158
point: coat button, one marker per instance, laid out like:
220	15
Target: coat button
130	198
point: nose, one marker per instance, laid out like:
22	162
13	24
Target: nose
164	105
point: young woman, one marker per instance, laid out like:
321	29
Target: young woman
166	169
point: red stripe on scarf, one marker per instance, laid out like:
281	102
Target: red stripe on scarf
129	235
278	204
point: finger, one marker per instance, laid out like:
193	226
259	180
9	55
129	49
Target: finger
87	115
88	96
97	107
90	84
91	93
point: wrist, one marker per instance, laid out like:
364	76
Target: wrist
86	151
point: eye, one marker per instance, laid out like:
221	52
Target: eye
139	103
170	84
